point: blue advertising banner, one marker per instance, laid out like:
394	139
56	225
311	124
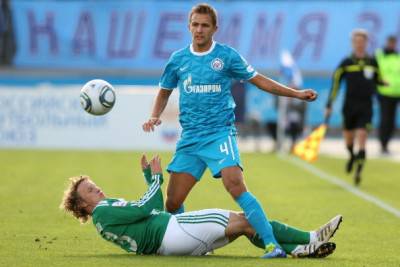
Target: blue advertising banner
141	35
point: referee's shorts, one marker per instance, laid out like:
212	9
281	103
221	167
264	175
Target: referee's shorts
357	116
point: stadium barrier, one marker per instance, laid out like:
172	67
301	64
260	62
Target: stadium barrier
49	117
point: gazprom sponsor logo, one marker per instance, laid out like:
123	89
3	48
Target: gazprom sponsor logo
203	88
200	88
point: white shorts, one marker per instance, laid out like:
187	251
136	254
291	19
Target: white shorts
195	233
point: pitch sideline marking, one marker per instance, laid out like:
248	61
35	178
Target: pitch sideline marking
339	182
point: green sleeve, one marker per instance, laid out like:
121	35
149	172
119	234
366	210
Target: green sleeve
133	211
148	177
153	198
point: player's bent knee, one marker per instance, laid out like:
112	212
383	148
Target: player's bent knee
238	225
235	190
235	187
172	205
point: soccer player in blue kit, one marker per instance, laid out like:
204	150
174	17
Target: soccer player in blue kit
203	72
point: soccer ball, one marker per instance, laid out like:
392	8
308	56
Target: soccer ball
97	97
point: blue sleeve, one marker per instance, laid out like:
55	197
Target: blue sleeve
169	78
239	68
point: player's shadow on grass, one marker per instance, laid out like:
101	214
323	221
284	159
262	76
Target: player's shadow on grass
152	258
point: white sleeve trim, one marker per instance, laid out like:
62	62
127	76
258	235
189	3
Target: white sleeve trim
166	88
254	75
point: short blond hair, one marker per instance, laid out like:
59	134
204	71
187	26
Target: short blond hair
72	202
359	32
204	8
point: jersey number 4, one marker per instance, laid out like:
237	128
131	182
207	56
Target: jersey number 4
224	148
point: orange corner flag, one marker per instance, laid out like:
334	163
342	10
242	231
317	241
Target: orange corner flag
308	149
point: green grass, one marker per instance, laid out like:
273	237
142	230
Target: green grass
32	183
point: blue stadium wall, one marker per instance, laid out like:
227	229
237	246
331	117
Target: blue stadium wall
142	34
139	36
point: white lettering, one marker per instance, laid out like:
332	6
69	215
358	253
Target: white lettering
203	88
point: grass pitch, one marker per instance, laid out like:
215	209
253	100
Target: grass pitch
34	232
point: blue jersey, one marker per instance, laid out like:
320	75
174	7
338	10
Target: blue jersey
204	80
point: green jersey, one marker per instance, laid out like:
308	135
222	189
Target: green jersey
135	226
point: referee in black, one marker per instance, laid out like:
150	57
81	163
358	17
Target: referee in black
361	73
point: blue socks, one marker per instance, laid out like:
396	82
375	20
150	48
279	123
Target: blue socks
256	217
180	210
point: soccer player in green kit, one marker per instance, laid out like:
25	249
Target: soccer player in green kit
144	227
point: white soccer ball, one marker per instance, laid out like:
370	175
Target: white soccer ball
97	97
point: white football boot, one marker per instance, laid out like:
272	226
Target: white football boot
326	232
314	250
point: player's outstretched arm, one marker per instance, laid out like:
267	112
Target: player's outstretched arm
133	211
157	200
155	165
158	108
146	170
153	198
336	80
149	170
273	87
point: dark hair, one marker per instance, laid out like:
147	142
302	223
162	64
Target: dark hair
204	8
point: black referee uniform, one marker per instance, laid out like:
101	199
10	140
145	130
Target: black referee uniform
361	76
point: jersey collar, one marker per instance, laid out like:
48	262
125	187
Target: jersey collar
202	53
101	203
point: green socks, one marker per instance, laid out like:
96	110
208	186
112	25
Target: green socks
286	234
288	237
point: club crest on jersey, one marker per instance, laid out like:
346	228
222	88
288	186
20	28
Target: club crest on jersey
217	64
